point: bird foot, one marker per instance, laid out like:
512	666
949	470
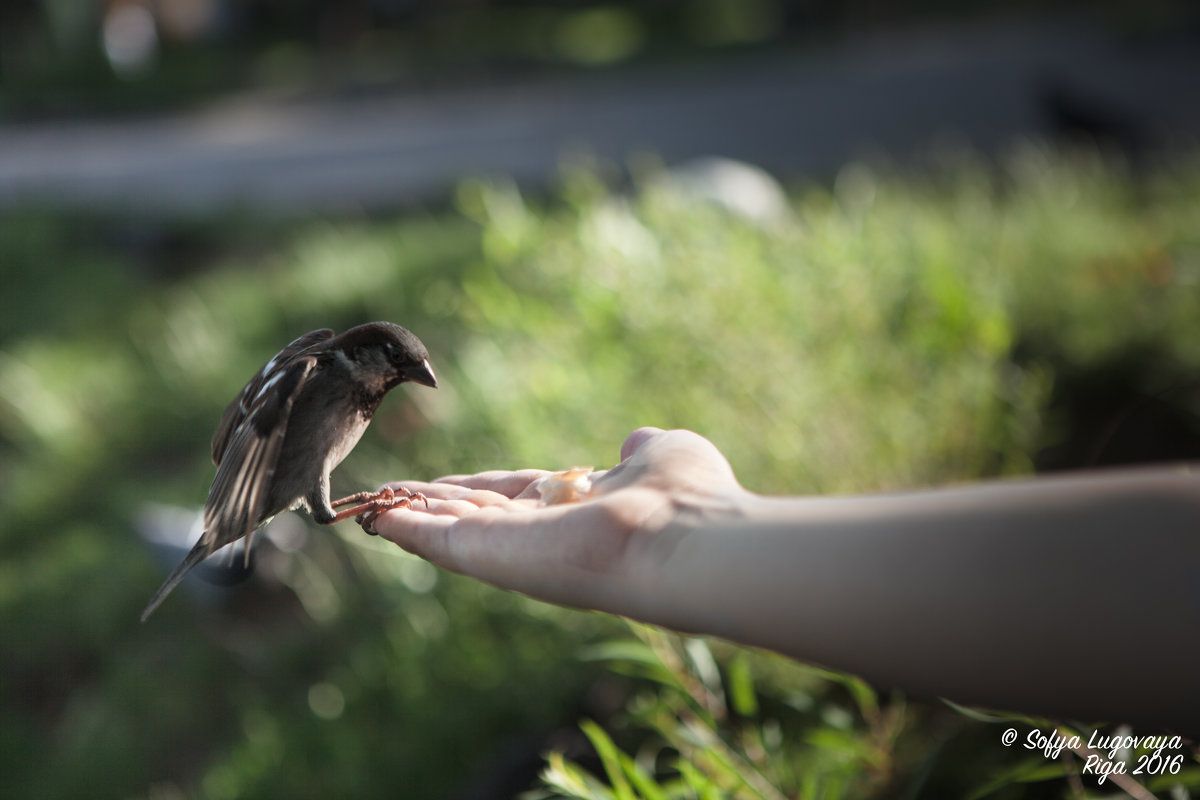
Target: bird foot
369	505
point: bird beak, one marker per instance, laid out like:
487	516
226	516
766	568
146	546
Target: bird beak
421	373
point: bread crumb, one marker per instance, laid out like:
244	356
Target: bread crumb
568	486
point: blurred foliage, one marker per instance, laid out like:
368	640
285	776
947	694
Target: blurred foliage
885	331
716	721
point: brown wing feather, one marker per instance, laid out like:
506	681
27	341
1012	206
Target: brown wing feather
236	412
237	501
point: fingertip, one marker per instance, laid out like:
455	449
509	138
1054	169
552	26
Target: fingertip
636	439
412	531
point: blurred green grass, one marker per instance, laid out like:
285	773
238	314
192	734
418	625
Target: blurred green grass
892	329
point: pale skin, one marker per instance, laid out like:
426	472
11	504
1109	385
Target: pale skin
1074	596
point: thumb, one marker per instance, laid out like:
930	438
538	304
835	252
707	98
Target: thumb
636	439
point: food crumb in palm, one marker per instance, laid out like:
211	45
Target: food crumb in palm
568	486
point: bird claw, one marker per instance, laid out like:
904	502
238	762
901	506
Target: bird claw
386	500
367	506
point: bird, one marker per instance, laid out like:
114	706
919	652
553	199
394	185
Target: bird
292	424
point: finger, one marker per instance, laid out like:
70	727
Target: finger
444	489
485	542
438	491
453	507
636	439
473	501
416	532
505	482
453	500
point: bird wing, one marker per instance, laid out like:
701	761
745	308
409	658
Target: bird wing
242	405
237	501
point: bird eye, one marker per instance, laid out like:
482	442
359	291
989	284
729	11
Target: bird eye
395	354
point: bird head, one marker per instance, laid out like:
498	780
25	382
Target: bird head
381	355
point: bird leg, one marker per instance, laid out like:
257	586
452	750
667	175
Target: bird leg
367	506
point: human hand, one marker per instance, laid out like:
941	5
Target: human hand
600	553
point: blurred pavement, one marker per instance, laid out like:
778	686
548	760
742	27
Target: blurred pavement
804	113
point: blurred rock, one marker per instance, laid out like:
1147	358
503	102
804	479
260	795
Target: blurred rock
739	188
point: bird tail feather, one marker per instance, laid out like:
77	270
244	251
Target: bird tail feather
197	554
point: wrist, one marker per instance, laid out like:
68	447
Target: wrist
665	579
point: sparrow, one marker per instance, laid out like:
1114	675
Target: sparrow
292	424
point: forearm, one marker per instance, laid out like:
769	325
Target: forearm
1067	596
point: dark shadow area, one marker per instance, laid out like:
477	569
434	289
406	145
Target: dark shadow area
1136	407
